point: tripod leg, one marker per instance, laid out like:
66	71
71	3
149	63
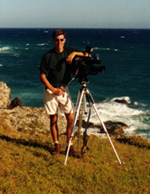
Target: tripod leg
94	106
82	111
80	114
78	99
84	104
74	122
80	125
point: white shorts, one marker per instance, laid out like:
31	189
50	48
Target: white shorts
53	102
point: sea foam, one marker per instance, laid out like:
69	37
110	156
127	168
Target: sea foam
42	44
5	48
118	112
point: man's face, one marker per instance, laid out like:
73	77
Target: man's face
59	42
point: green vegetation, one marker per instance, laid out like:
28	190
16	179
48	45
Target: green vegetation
27	166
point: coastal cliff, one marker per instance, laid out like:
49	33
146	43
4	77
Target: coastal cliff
35	120
24	118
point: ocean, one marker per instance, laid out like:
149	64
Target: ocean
124	52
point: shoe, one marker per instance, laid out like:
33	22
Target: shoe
73	153
57	150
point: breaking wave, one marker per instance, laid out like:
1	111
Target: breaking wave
129	113
42	44
5	48
104	49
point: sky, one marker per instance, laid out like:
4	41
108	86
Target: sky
74	13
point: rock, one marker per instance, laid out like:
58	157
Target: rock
15	102
123	100
4	95
30	120
35	120
113	128
25	119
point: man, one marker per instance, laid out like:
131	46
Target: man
55	73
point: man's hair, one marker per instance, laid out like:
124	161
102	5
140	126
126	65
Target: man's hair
57	33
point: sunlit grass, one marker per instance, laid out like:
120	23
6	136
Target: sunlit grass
27	166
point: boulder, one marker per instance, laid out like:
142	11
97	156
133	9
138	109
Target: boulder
4	95
113	128
15	102
122	100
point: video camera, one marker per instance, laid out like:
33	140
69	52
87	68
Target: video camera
84	66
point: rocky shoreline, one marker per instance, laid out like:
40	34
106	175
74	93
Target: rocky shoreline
35	120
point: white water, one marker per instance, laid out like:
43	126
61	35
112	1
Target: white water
119	112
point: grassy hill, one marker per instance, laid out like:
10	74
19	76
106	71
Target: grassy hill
27	166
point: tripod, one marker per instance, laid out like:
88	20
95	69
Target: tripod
81	94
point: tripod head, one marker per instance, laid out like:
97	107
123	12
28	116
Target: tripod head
84	83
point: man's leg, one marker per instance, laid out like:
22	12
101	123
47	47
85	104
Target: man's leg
70	118
55	134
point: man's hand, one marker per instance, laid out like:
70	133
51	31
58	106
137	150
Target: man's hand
71	56
58	91
87	55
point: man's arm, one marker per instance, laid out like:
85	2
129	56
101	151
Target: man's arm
47	84
73	54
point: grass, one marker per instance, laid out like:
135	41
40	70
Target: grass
27	166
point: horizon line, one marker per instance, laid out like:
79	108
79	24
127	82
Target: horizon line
73	28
